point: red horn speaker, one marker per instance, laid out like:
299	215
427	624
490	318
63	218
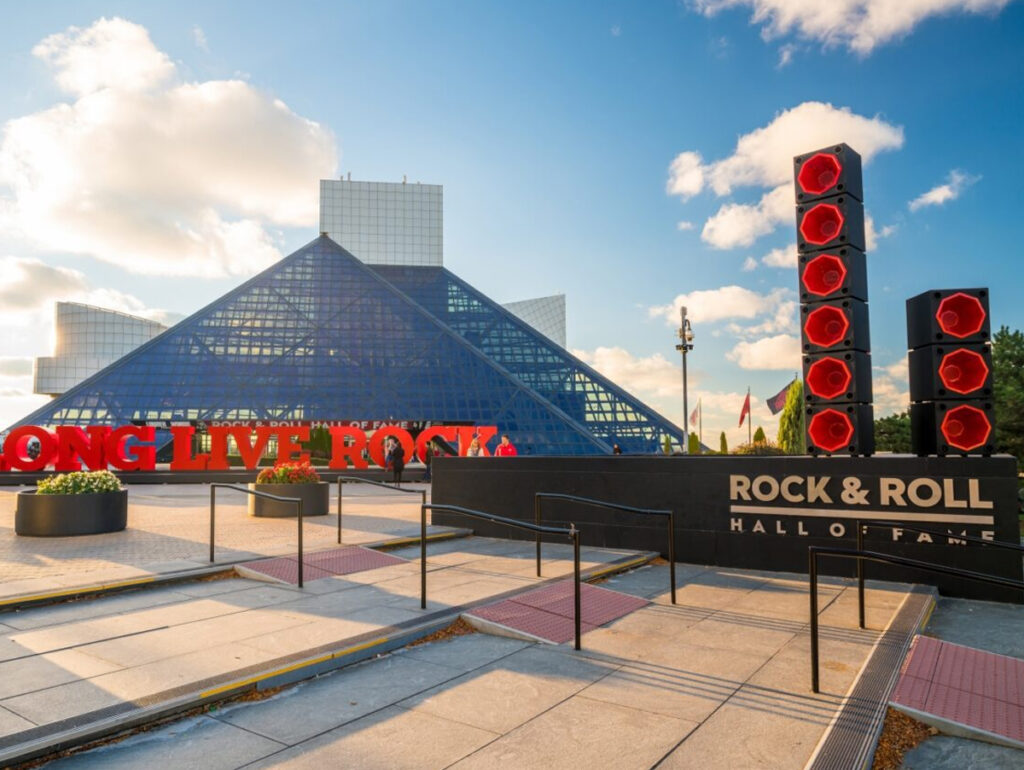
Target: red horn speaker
950	364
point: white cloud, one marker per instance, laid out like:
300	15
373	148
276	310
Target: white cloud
685	175
650	376
889	386
30	288
709	305
785	318
11	366
859	25
956	183
784	257
199	38
749	264
684	225
779	352
112	53
785	55
763	158
736	224
657	382
152	175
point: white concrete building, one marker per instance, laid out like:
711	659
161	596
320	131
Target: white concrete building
88	339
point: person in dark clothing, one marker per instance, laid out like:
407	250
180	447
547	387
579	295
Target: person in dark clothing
397	462
616	449
428	456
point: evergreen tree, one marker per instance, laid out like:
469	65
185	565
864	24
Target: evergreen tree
1008	391
693	444
667	445
723	445
892	433
759	437
792	438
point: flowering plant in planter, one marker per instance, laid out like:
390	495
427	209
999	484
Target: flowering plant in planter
79	483
289	473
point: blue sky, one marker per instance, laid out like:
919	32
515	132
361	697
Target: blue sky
552	127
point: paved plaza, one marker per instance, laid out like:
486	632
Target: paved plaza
719	680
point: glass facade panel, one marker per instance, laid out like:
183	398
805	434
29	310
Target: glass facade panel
322	336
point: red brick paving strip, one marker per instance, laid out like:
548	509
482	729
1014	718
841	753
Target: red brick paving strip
548	612
959	684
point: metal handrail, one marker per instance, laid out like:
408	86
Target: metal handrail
615	507
213	508
813	552
863	526
360	480
572	532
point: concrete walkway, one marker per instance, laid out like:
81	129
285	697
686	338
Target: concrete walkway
68	666
169	531
720	680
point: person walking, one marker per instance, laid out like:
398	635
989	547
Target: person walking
506	448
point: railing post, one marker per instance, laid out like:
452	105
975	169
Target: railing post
672	552
213	508
536	520
576	572
299	501
423	557
340	483
812	568
860	572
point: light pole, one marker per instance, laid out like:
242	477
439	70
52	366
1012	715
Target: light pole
685	345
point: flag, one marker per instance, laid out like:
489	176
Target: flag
746	409
777	402
693	415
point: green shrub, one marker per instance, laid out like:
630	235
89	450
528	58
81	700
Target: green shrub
289	473
79	483
762	448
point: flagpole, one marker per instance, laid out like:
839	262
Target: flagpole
750	421
700	421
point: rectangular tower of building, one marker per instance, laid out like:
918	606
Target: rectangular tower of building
385	223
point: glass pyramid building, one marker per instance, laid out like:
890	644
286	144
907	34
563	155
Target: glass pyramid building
323	336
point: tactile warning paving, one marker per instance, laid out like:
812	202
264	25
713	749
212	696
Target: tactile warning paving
322	564
549	612
973	688
343	561
287	570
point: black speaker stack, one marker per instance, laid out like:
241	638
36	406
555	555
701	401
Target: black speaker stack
834	328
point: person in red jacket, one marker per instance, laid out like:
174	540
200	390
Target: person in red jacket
506	448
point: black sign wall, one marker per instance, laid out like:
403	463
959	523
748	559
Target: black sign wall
763	512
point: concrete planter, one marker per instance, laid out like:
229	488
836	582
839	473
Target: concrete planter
316	499
68	515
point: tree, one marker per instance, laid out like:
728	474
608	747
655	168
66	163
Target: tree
1008	391
892	433
759	437
723	445
792	437
693	444
667	445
